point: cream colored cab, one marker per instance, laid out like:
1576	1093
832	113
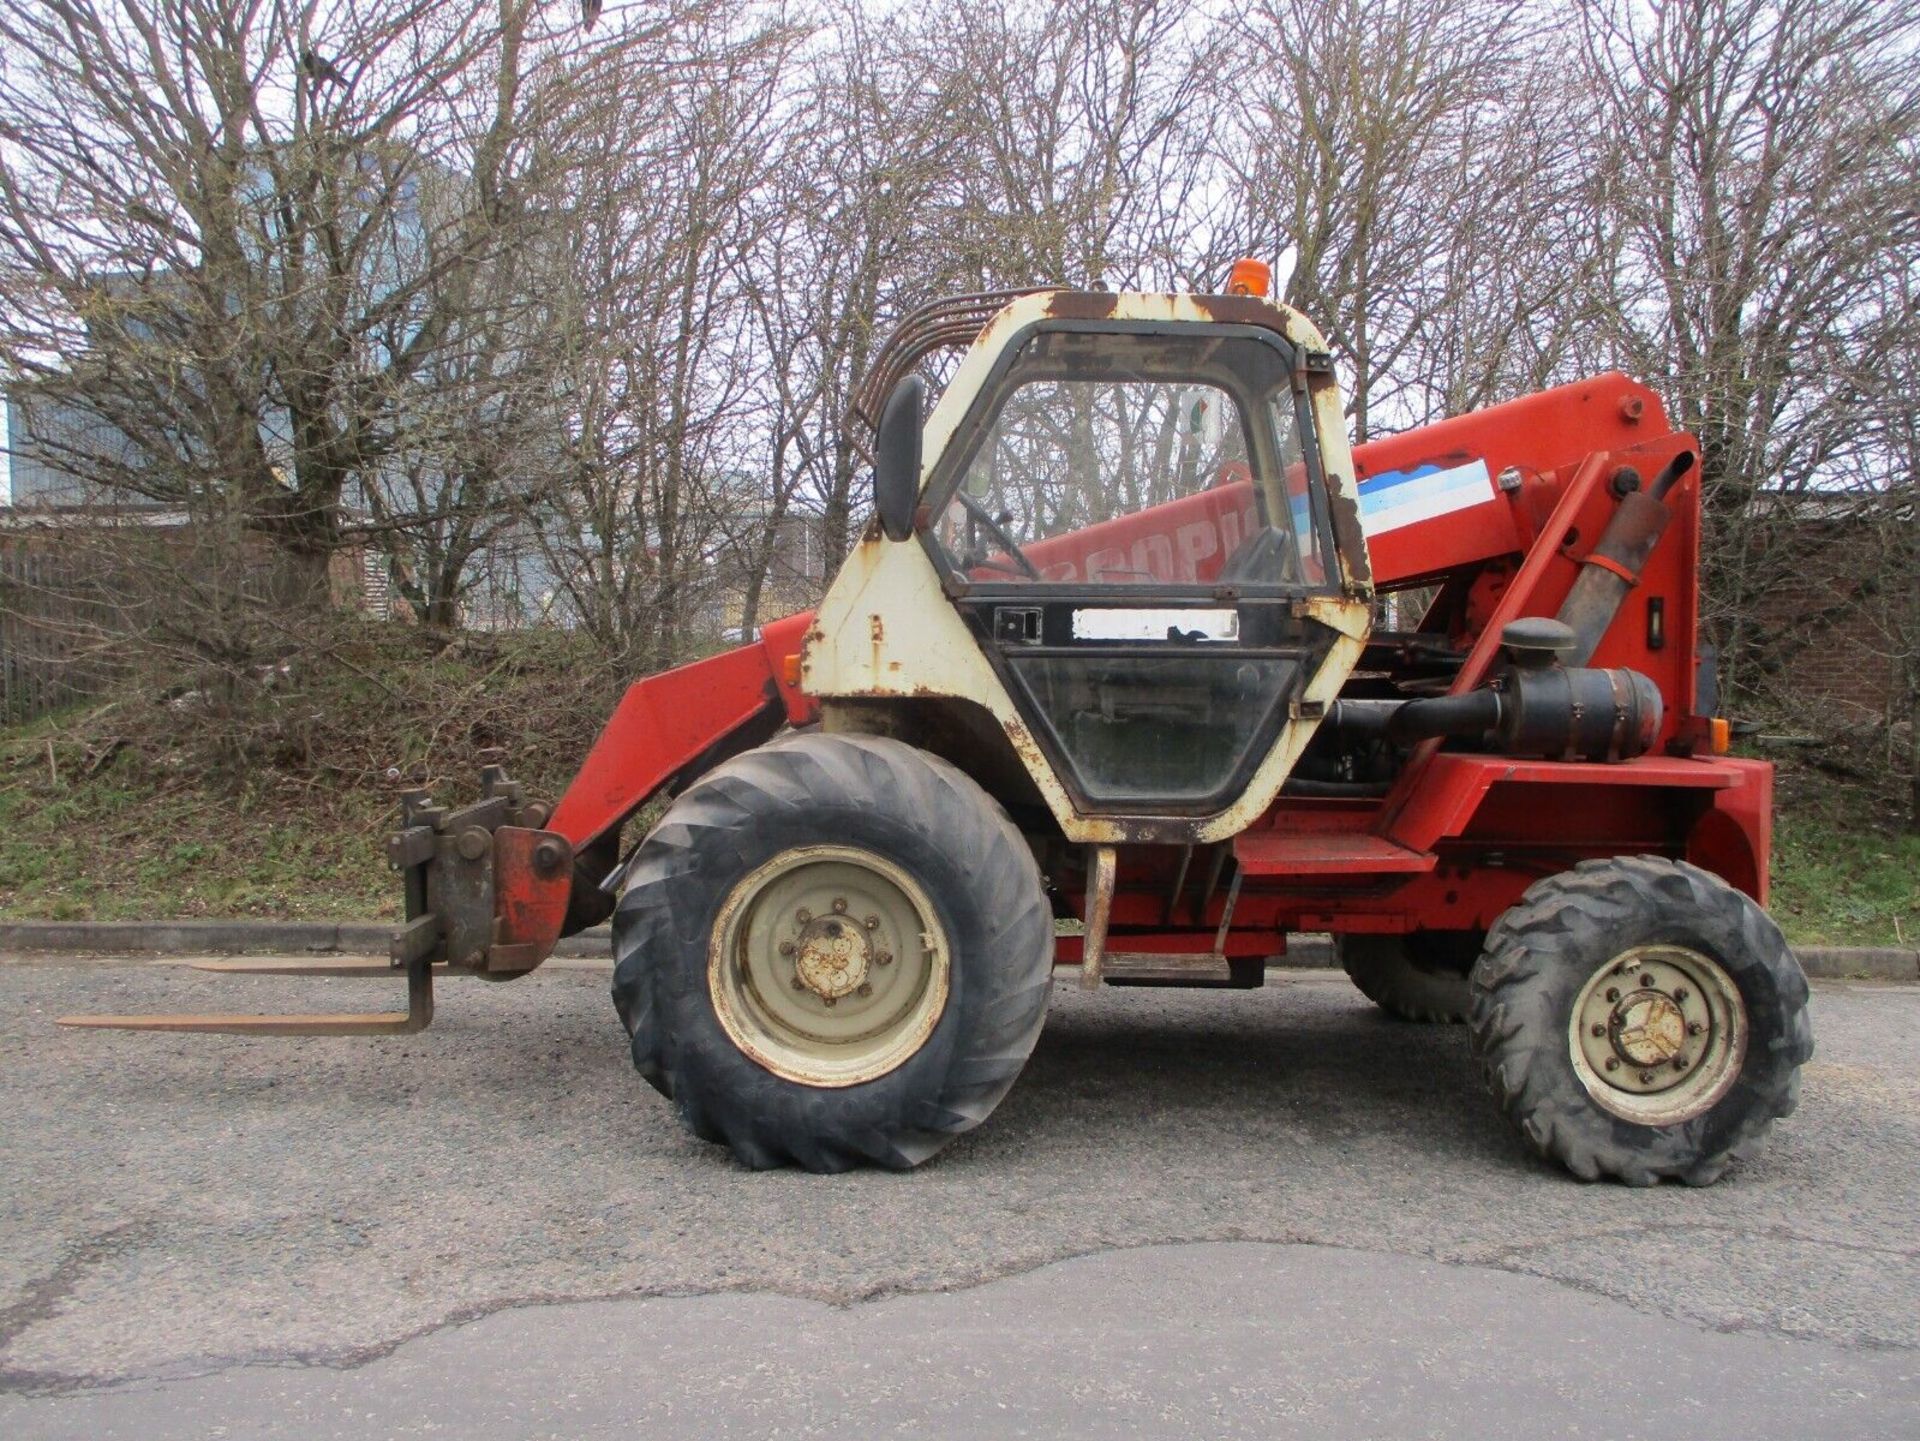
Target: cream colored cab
1130	545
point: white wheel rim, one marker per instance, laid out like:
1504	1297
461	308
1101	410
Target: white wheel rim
1658	1034
828	966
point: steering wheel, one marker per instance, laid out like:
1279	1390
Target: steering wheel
999	532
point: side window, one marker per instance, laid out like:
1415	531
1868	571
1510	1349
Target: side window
1095	468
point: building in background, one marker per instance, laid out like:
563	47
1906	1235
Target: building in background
50	440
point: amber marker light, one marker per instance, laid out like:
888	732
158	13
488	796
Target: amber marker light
1720	735
1250	277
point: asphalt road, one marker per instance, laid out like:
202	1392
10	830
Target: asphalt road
1225	1214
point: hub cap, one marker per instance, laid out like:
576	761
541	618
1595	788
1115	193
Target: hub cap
1658	1034
828	966
833	956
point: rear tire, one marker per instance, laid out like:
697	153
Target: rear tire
833	950
1420	977
1638	1018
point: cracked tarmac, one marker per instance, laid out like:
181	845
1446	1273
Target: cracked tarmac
226	1223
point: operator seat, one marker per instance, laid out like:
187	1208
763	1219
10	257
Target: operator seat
1267	557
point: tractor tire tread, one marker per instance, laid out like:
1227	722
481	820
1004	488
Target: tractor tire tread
720	829
1382	969
1575	920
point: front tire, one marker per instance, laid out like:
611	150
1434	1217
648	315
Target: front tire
833	950
1420	977
1638	1018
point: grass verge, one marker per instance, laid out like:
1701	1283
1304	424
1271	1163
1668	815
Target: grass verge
1846	872
161	806
273	798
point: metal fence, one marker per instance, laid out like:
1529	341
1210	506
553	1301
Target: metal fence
49	624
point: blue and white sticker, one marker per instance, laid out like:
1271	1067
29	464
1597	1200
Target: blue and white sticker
1402	497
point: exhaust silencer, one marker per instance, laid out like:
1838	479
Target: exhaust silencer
1536	707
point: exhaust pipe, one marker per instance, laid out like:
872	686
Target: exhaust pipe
1613	566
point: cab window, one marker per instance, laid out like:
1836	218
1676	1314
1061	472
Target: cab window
1163	459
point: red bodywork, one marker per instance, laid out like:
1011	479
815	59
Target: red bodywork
669	722
1460	836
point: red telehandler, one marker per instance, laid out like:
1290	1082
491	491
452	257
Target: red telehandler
1138	669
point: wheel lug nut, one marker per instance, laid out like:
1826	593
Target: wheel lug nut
1680	993
873	923
840	905
1646	1078
787	948
884	958
1598	1029
1694	1028
1679	1063
1613	1063
830	1000
798	984
1646	980
865	989
803	915
1612	994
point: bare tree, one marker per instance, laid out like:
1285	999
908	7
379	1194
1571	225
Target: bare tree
660	370
1069	124
1759	178
871	194
1401	150
244	238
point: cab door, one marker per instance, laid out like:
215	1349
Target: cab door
1128	520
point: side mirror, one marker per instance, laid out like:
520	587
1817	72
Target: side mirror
896	458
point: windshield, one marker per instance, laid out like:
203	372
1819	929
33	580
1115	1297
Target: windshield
1136	459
